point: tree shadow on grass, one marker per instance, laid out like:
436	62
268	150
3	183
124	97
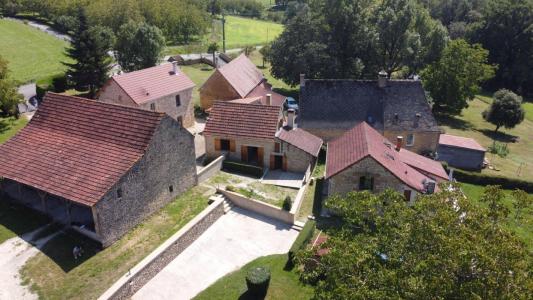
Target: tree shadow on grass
454	122
249	296
499	136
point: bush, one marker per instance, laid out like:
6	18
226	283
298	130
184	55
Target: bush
56	83
483	179
287	203
257	281
239	167
499	148
303	238
231	188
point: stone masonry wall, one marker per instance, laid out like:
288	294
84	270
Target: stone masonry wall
112	93
266	144
424	140
216	88
297	159
168	161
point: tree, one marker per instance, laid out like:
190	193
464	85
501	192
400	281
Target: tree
455	78
213	48
265	53
89	51
139	46
442	247
522	203
506	110
493	196
9	95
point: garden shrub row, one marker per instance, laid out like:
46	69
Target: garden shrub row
302	239
484	179
238	167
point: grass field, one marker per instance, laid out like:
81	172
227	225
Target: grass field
523	229
283	284
31	53
53	273
10	126
471	124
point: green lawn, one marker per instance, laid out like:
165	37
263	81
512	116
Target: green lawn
523	229
10	126
313	194
54	275
31	53
471	124
283	284
198	74
528	107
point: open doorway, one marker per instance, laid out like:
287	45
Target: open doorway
253	155
278	162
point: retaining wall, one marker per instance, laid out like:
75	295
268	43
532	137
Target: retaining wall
132	282
211	169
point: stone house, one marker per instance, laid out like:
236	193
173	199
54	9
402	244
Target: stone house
461	152
96	167
253	133
328	108
362	159
238	79
162	88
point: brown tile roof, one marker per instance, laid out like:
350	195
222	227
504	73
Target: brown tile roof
153	83
301	139
460	142
265	88
243	120
242	75
77	148
364	141
251	100
423	163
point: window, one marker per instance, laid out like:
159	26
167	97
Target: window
366	183
277	147
180	120
410	141
171	188
152	106
178	101
119	193
225	145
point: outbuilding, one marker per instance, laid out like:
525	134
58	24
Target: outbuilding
460	152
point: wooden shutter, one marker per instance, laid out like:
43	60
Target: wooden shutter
244	153
217	144
232	145
272	161
260	156
285	163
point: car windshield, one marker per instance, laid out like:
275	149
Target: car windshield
291	101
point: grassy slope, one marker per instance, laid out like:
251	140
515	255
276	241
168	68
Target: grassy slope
471	124
54	275
283	284
31	53
10	126
523	229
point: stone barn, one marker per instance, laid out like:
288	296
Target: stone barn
97	167
461	152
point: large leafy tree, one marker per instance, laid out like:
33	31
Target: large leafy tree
139	46
9	95
456	77
506	110
442	247
89	51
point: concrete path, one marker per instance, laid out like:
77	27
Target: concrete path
286	179
234	240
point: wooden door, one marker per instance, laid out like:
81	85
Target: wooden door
260	156
244	153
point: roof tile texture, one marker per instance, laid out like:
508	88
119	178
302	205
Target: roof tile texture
302	140
242	74
423	163
460	142
77	148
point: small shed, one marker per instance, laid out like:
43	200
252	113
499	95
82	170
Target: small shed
461	152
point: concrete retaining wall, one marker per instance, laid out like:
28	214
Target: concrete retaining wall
132	282
259	207
211	169
299	197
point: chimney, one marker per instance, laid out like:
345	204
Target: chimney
268	99
382	79
302	80
175	67
290	118
399	142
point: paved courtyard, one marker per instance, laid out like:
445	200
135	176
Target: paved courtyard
232	241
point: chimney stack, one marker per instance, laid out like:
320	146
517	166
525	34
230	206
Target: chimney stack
290	118
302	80
175	67
268	99
382	79
399	142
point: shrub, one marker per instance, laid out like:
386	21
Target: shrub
302	239
56	83
257	281
499	148
231	188
287	203
484	179
239	167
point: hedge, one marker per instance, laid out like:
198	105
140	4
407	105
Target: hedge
257	281
483	179
239	167
302	239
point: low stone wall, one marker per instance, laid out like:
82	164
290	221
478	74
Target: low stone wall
211	169
299	197
259	207
132	282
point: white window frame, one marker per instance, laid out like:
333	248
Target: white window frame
407	140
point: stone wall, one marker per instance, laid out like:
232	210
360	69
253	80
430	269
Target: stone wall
462	158
425	141
267	145
132	282
211	169
216	88
168	162
297	159
112	93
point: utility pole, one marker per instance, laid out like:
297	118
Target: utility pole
223	33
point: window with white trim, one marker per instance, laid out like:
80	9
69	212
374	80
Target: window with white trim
410	141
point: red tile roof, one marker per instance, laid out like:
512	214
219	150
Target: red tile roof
364	141
423	163
251	100
243	120
242	75
153	83
460	142
77	148
265	88
301	139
